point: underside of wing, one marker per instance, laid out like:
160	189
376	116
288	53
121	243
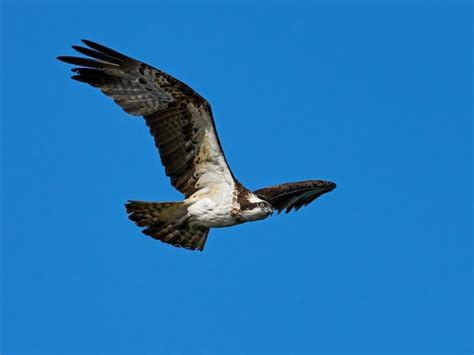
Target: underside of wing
179	119
294	195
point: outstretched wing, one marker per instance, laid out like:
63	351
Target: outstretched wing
180	120
294	194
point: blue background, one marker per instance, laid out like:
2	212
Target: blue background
374	96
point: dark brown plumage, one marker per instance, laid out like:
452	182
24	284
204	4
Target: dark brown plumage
164	221
176	114
294	195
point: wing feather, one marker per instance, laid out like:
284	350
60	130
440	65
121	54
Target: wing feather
180	120
294	195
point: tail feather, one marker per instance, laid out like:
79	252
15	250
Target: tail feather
168	222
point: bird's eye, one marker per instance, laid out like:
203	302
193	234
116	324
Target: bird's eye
261	204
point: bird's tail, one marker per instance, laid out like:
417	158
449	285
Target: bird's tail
168	222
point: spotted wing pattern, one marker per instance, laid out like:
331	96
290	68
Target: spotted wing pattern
294	195
179	119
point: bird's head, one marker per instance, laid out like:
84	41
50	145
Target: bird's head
254	208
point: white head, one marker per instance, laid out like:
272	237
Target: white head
253	208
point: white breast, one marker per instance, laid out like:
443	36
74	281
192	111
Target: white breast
211	206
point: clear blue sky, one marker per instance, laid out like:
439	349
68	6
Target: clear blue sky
376	97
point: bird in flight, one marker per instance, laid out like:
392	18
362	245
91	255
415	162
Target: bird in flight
182	125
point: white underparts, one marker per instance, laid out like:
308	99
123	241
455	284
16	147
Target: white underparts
211	206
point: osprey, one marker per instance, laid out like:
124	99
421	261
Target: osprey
181	122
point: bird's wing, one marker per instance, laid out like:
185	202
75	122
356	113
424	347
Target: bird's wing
294	194
179	119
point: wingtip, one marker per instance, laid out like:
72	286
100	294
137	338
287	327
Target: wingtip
329	185
91	44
